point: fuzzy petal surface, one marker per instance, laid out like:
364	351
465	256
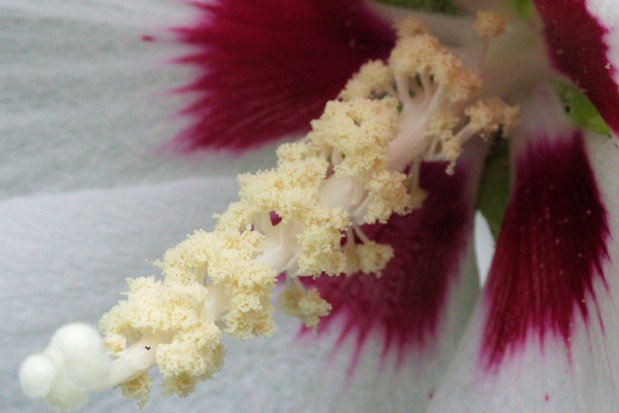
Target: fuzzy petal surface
543	336
65	257
84	100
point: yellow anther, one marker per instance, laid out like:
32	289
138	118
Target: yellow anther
307	305
410	25
374	79
489	24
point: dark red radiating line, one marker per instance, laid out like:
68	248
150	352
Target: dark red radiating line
550	250
266	68
576	45
405	305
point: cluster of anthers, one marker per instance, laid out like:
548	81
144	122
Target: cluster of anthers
357	166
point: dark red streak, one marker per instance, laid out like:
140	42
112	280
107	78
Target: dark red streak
266	68
576	45
550	250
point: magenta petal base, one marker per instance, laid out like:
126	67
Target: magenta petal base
265	68
550	251
545	336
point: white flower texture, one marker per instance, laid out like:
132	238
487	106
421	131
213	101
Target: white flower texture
87	190
88	199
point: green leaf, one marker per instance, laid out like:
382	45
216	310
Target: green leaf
582	112
523	8
494	186
435	6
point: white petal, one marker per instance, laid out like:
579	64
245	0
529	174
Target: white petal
548	372
319	370
85	100
551	378
607	12
64	258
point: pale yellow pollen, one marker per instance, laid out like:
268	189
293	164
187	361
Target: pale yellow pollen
387	195
138	388
489	24
307	305
172	310
373	257
424	56
410	25
436	92
490	115
414	55
360	130
373	80
221	281
357	166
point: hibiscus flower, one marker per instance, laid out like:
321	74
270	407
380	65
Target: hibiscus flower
539	337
